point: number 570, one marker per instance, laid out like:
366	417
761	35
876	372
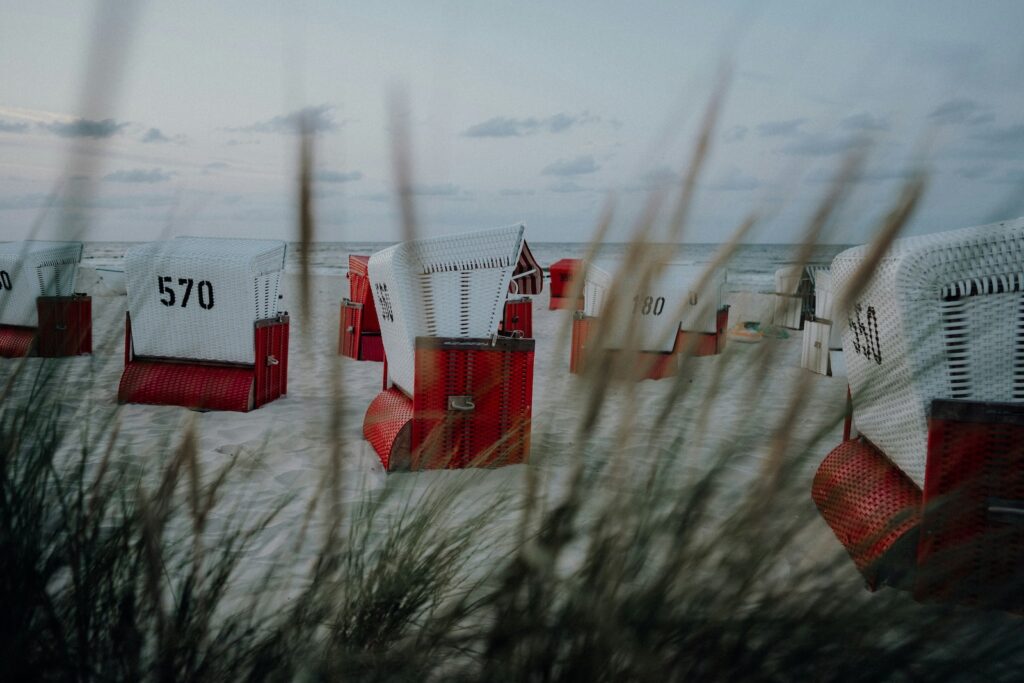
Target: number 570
204	291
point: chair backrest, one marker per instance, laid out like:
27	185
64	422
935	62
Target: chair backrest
941	317
452	286
199	297
528	277
674	300
31	269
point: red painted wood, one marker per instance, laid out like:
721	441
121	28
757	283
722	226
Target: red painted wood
563	274
65	325
518	317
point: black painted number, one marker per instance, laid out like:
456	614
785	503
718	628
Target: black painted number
866	340
5	280
169	296
648	305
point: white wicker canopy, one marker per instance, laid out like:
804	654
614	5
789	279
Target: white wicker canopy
674	300
32	269
198	297
452	286
941	317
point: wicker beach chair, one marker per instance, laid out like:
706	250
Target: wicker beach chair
203	328
564	274
932	496
679	312
39	309
527	282
359	330
456	393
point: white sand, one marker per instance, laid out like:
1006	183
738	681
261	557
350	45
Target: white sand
283	449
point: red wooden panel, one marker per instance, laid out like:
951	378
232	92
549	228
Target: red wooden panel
472	402
371	347
873	509
271	371
16	342
577	350
203	387
387	425
65	325
972	531
563	273
518	317
349	328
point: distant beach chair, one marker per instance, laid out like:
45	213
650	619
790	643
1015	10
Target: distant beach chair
456	393
359	333
527	282
931	496
795	295
564	274
681	312
40	313
203	329
823	339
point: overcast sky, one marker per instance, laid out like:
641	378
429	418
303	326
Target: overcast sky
520	111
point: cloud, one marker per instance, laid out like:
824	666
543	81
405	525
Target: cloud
566	187
13	126
319	119
1013	177
818	145
154	135
865	122
511	192
39	201
214	166
438	190
581	165
327	176
736	133
139	175
234	143
1006	136
85	128
872	175
780	129
974	172
960	110
506	127
734	180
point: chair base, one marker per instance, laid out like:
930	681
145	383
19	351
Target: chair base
518	319
354	340
471	407
64	329
649	364
203	385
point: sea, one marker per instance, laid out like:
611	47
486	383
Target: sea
751	268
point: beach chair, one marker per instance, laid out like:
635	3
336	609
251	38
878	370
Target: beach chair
359	330
931	496
795	295
822	341
456	393
680	312
203	329
40	313
563	278
527	282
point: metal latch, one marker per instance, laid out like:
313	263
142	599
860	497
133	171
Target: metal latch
462	404
271	360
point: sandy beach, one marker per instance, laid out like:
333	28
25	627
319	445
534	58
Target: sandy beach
282	450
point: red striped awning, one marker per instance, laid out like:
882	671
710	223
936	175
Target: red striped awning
527	278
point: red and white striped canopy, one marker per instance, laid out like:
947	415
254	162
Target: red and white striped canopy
527	278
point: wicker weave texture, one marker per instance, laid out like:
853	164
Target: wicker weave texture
198	298
453	286
16	342
869	504
32	269
941	317
678	297
387	426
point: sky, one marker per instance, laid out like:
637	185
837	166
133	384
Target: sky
149	120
